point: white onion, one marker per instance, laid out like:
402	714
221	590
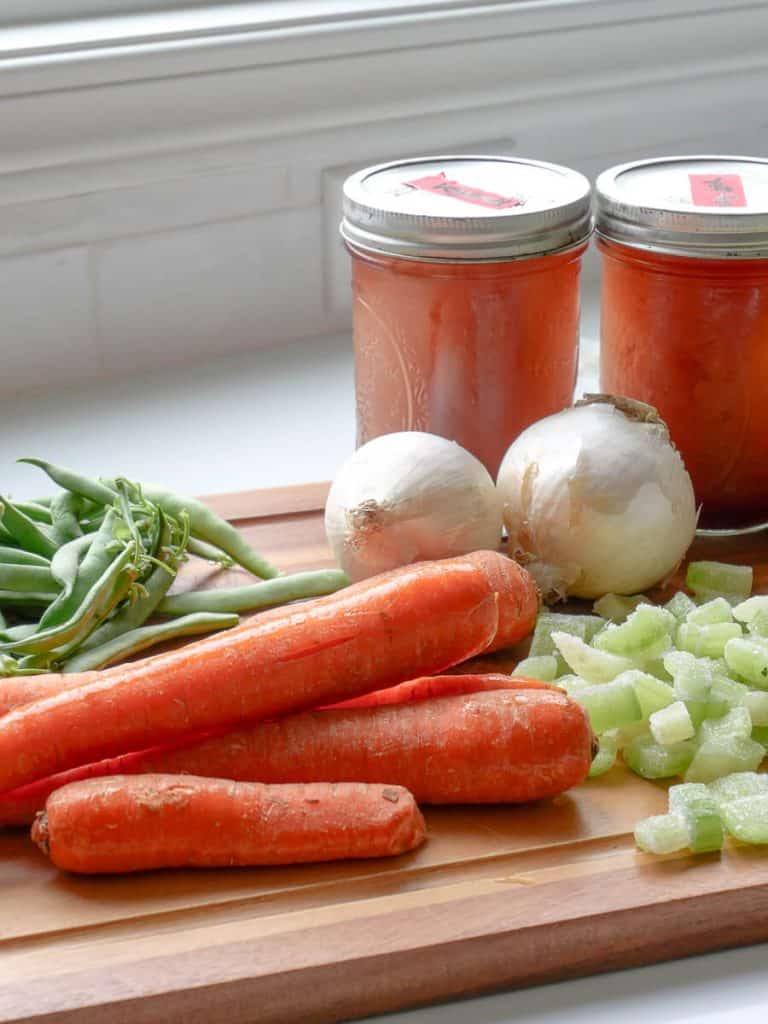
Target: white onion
597	500
407	497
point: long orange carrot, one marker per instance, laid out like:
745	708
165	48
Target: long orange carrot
434	686
138	823
413	621
515	742
519	604
19	806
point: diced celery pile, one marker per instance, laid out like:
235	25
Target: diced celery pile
678	690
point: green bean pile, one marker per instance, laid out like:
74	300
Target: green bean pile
82	572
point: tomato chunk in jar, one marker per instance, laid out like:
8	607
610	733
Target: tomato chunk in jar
684	316
465	276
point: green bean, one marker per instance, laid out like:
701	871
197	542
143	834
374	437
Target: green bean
26	578
209	553
206	526
28	533
14	599
155	589
6	539
15	556
147	636
99	555
3	626
259	595
35	512
10	667
71	481
64	512
20	632
103	595
65	562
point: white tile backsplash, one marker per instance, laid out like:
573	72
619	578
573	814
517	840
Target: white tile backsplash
223	287
45	321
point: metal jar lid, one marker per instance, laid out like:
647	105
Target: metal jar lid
715	207
466	208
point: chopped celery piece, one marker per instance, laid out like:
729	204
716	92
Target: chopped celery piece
610	705
582	626
692	677
651	760
650	692
738	785
747	819
706	641
717	610
645	634
725	693
723	755
758	626
679	605
629	732
595	666
748	659
655	667
616	607
671	724
756	703
735	723
605	758
699	710
663	833
760	735
751	608
543	667
718	579
694	802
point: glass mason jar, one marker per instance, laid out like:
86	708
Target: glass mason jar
684	317
465	276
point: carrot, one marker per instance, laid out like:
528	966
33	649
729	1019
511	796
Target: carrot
531	733
16	691
139	823
519	598
434	686
415	620
505	746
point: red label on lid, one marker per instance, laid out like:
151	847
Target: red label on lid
717	190
440	184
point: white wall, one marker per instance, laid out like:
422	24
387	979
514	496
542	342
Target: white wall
165	197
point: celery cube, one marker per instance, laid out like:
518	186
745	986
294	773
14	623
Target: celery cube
645	634
651	760
756	703
748	659
737	785
706	641
717	610
748	610
723	755
747	819
610	705
698	807
718	579
671	724
651	692
662	833
617	607
543	667
679	605
595	666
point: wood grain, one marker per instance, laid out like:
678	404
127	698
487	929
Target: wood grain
498	897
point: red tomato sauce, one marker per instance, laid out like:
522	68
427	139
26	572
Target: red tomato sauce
474	352
690	337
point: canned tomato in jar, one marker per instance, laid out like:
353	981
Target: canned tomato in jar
465	276
684	318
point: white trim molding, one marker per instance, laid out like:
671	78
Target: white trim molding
169	181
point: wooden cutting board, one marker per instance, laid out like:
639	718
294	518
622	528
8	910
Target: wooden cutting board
498	897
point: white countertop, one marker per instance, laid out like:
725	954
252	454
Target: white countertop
286	415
